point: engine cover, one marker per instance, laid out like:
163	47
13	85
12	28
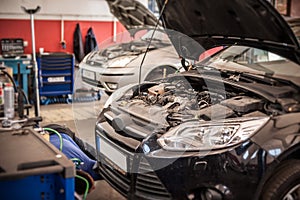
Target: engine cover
243	104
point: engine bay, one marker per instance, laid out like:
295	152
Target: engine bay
181	100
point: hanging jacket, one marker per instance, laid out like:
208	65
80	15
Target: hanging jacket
90	42
78	44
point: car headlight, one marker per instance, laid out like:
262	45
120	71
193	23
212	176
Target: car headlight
121	62
85	59
195	135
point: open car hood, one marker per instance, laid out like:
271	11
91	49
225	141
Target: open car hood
212	23
131	13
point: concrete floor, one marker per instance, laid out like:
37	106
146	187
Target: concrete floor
81	118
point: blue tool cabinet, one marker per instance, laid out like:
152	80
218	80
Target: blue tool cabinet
32	168
56	74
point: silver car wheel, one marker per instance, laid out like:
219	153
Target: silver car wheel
293	194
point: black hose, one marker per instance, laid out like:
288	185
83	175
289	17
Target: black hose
16	89
11	79
15	86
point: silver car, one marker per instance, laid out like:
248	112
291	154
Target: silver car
119	64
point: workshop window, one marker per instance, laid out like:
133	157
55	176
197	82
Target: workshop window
283	6
152	5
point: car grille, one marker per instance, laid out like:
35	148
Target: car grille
148	184
118	180
145	184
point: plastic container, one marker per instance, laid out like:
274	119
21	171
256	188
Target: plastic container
1	94
9	101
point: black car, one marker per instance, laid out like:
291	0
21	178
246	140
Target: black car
228	128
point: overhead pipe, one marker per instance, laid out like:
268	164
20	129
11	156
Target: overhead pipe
31	12
62	40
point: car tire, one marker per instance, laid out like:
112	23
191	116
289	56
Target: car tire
158	73
284	183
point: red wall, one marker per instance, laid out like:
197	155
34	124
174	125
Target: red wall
295	10
48	32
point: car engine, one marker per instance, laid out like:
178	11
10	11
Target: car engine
181	100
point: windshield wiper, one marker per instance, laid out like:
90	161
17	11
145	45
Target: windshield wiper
237	76
253	77
153	39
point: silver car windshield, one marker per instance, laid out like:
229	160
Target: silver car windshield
158	35
253	60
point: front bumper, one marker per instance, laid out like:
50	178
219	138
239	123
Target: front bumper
230	174
108	79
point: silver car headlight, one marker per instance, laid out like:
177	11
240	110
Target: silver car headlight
87	57
196	135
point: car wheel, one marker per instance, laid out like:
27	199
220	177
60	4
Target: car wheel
160	72
285	183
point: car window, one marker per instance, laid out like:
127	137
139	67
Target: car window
253	55
251	60
158	35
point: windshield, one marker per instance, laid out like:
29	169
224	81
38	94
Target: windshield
158	35
128	43
253	60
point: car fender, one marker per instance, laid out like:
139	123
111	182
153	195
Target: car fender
280	140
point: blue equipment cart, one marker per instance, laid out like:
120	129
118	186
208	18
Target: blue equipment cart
56	74
32	168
